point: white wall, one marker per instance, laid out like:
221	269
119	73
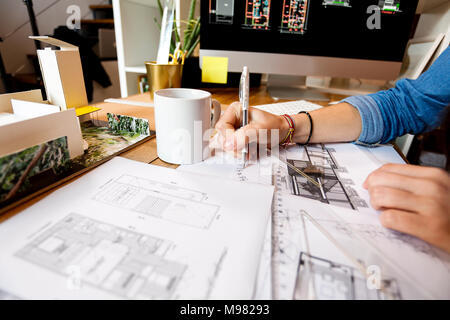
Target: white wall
15	27
112	91
425	5
433	22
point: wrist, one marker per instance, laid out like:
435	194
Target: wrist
302	128
284	128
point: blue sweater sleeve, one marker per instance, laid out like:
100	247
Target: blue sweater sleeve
412	106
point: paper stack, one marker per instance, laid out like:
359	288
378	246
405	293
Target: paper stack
136	231
328	243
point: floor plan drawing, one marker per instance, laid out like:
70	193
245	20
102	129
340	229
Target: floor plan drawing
257	14
136	231
321	165
158	200
221	11
294	18
327	280
110	258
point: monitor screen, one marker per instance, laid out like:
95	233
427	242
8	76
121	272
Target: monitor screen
355	29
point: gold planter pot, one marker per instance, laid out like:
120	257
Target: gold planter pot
162	76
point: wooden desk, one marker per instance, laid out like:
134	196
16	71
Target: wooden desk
225	96
146	152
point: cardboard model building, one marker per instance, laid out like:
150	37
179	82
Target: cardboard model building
30	121
62	73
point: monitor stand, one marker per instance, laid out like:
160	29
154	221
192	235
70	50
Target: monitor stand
292	88
315	88
347	87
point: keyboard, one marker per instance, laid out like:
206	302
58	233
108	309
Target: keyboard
292	107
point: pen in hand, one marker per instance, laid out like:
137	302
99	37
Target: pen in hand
244	92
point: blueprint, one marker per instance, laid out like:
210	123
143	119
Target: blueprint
335	172
319	162
129	230
340	170
343	255
159	200
225	165
126	263
393	251
322	279
260	172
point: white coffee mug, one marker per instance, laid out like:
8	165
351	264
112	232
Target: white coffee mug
183	119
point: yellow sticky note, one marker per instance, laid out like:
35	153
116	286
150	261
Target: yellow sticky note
85	110
215	69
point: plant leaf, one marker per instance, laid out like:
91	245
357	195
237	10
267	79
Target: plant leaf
161	10
175	28
191	22
193	35
189	53
157	23
192	10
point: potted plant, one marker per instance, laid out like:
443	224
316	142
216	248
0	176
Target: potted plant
191	36
192	75
187	43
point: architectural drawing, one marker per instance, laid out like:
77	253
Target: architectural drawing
378	234
158	200
389	6
323	279
287	229
294	18
321	165
286	244
337	3
119	261
286	247
221	11
257	14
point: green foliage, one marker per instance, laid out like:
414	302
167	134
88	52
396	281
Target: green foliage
104	142
191	36
126	125
13	166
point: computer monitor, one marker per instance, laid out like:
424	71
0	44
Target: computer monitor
363	39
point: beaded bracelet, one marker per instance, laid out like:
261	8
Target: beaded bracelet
288	139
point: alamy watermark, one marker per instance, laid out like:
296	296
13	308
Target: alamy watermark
373	274
73	21
374	20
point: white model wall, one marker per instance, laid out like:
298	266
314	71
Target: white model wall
15	27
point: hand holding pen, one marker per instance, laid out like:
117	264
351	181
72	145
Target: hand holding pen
244	94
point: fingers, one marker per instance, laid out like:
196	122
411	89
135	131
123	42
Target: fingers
416	184
230	119
241	137
262	128
244	136
393	180
403	221
429	229
415	171
382	197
